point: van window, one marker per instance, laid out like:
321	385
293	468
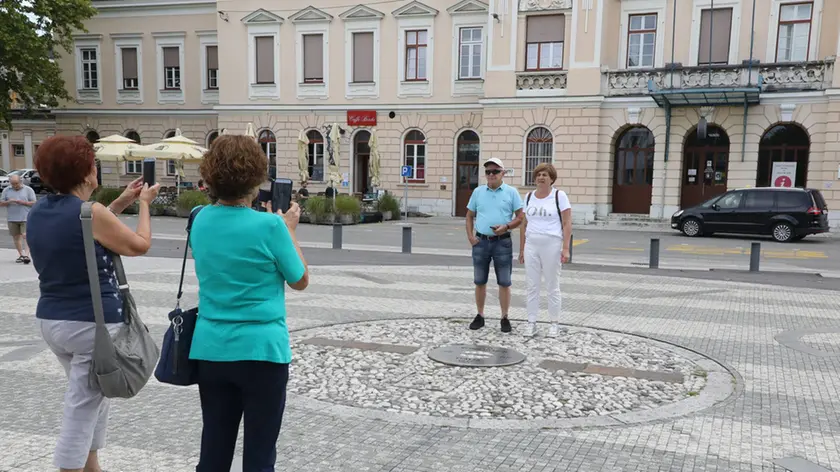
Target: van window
730	201
789	200
759	200
819	200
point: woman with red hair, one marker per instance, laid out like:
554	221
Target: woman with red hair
65	310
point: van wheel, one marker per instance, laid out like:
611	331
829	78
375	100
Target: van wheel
783	232
691	227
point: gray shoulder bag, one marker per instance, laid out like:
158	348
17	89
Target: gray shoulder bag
122	364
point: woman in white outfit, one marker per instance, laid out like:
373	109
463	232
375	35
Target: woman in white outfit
544	245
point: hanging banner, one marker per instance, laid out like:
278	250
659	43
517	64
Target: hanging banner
784	174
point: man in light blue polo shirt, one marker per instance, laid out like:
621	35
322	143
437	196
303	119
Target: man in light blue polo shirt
493	211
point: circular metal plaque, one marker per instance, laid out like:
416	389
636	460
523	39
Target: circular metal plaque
474	355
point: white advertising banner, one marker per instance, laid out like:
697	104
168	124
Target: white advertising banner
784	174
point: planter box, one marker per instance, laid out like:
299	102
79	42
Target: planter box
170	211
386	215
347	219
183	212
326	219
157	211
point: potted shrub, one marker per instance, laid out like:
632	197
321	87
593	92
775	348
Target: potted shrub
319	210
106	195
389	206
188	200
348	209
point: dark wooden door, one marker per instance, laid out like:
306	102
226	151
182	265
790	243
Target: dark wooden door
633	175
705	170
467	181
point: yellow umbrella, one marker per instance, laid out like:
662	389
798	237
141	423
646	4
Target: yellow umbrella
250	132
303	157
335	157
374	163
114	148
177	148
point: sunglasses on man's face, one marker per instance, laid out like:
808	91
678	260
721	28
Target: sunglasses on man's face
492	172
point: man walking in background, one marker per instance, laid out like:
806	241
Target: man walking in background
18	200
492	212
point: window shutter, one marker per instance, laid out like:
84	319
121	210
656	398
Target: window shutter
170	57
313	56
129	63
212	57
265	59
546	29
363	57
719	44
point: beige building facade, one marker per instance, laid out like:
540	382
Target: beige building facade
611	91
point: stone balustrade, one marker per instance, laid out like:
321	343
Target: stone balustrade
554	80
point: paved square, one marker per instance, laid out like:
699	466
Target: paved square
784	401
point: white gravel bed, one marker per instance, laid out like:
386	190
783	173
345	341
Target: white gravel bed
414	384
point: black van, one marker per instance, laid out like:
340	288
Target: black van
787	214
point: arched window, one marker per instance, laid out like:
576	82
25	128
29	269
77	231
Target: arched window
783	143
469	146
211	136
268	143
169	134
415	156
315	150
133	135
539	148
92	136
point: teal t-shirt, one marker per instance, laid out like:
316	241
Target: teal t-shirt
493	207
243	259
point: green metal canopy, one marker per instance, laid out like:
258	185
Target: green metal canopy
700	97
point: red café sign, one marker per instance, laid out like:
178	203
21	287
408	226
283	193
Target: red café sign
361	117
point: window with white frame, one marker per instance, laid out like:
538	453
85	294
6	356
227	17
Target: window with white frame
18	150
171	168
544	42
212	67
133	167
470	51
130	77
268	143
641	40
415	156
90	68
794	36
539	148
415	54
315	151
171	68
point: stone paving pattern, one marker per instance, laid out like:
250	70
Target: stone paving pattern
786	400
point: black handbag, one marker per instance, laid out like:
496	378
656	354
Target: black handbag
175	366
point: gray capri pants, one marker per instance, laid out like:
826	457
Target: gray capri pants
85	421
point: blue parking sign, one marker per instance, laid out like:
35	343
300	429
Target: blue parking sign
406	171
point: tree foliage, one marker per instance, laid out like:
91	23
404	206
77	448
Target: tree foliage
31	32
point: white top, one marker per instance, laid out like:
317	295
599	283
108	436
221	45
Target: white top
542	214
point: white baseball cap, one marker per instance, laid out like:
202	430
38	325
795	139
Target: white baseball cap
494	160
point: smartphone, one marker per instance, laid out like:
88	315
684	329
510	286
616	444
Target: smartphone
264	196
149	171
281	195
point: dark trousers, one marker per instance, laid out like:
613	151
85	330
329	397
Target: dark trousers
230	389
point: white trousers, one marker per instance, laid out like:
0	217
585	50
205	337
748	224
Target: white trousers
542	261
83	428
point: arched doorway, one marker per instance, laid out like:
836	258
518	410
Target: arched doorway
783	143
467	150
705	166
92	137
633	176
361	162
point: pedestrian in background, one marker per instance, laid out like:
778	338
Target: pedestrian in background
65	308
243	261
544	245
18	200
493	210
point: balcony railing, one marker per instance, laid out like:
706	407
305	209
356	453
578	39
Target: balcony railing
554	80
816	75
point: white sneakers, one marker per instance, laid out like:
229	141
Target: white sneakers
531	330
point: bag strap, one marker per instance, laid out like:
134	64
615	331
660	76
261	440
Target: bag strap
528	198
557	202
86	215
186	251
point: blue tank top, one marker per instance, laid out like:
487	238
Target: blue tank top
54	236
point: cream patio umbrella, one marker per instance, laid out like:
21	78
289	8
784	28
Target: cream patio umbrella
335	156
177	148
303	157
250	131
114	148
374	163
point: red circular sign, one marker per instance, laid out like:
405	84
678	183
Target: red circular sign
782	181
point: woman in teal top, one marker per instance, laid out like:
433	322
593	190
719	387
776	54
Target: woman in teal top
243	261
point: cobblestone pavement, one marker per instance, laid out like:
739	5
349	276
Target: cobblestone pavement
781	344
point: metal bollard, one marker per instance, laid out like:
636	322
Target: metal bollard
337	235
654	253
571	247
755	256
406	240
